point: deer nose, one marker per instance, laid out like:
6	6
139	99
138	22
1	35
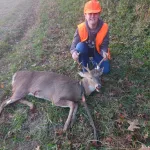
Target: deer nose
98	87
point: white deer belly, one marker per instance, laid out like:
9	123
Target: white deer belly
38	94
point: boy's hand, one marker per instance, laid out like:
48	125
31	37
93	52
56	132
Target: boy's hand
105	55
75	55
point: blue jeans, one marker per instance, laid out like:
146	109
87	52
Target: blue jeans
86	52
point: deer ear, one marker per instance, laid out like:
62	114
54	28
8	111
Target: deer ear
81	74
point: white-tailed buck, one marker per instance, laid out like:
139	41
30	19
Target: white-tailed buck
60	89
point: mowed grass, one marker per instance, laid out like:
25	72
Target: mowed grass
125	93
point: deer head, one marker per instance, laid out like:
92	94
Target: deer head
91	79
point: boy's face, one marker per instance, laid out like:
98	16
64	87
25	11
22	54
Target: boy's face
92	18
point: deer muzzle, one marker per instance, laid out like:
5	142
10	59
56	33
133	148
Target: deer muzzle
97	87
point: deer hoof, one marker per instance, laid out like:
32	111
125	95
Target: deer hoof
96	143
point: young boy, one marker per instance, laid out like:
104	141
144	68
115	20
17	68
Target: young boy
91	38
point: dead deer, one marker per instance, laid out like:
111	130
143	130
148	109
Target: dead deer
60	89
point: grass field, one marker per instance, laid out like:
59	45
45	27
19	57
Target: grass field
125	94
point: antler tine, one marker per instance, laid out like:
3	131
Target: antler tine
100	62
87	68
79	63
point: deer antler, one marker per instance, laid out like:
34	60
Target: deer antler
87	68
100	62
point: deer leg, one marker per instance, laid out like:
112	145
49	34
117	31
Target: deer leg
7	102
11	100
71	105
90	117
91	120
74	115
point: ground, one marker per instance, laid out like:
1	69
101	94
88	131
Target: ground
17	17
36	35
16	14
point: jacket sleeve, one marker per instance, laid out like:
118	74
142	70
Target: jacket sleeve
105	43
75	41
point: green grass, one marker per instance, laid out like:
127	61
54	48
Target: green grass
125	93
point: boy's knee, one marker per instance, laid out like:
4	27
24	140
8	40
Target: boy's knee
106	70
106	66
82	48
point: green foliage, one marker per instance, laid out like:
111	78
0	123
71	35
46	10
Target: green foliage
18	119
4	47
129	26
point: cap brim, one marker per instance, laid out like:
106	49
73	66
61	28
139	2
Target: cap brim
92	11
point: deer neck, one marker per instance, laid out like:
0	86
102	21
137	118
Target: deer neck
87	87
